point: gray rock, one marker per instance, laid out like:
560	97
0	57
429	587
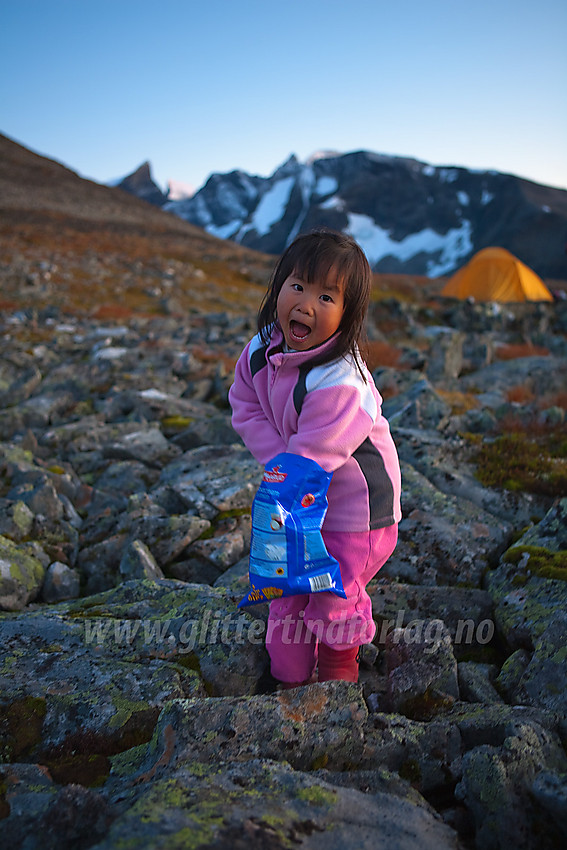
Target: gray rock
265	804
317	725
496	787
40	496
445	354
550	791
545	373
21	576
511	672
465	611
543	681
148	446
100	564
167	537
422	669
427	754
419	407
16	520
126	477
526	602
225	477
443	539
138	562
61	583
475	683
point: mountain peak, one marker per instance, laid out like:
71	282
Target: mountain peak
141	183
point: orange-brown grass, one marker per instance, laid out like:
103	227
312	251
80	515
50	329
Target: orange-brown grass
558	399
211	356
512	352
458	401
382	354
520	394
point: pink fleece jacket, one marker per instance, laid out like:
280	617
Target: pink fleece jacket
328	413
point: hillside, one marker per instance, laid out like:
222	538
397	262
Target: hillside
69	242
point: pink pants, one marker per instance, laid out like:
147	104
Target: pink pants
297	623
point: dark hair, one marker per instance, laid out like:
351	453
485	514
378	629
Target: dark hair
314	256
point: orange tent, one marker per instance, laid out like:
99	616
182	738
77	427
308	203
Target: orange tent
495	274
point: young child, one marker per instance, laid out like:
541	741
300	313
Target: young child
301	386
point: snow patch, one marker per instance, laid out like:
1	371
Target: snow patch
486	197
271	208
377	243
326	185
334	203
448	175
306	182
225	231
464	199
322	155
178	191
428	170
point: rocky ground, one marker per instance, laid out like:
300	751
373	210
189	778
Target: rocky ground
136	705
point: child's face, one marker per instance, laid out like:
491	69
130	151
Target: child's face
309	313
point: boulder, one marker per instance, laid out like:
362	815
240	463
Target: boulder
21	576
422	669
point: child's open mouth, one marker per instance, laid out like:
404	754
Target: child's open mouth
298	330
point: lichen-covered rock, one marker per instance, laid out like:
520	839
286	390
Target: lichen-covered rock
550	790
194	625
138	562
496	787
511	672
316	725
422	669
427	754
475	682
21	576
526	599
268	804
543	682
167	537
466	612
443	539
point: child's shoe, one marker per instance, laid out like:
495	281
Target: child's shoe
338	663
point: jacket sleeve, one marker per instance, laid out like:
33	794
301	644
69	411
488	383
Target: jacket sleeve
333	423
249	419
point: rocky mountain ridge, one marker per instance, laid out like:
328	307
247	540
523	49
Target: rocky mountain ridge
409	216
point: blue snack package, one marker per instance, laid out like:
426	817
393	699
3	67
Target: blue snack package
287	553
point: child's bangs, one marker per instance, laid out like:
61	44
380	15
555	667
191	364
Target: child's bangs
325	264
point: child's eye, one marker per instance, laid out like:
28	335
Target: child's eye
327	298
297	286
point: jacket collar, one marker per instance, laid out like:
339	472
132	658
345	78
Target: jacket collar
276	353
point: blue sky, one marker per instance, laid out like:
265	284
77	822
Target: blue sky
202	86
